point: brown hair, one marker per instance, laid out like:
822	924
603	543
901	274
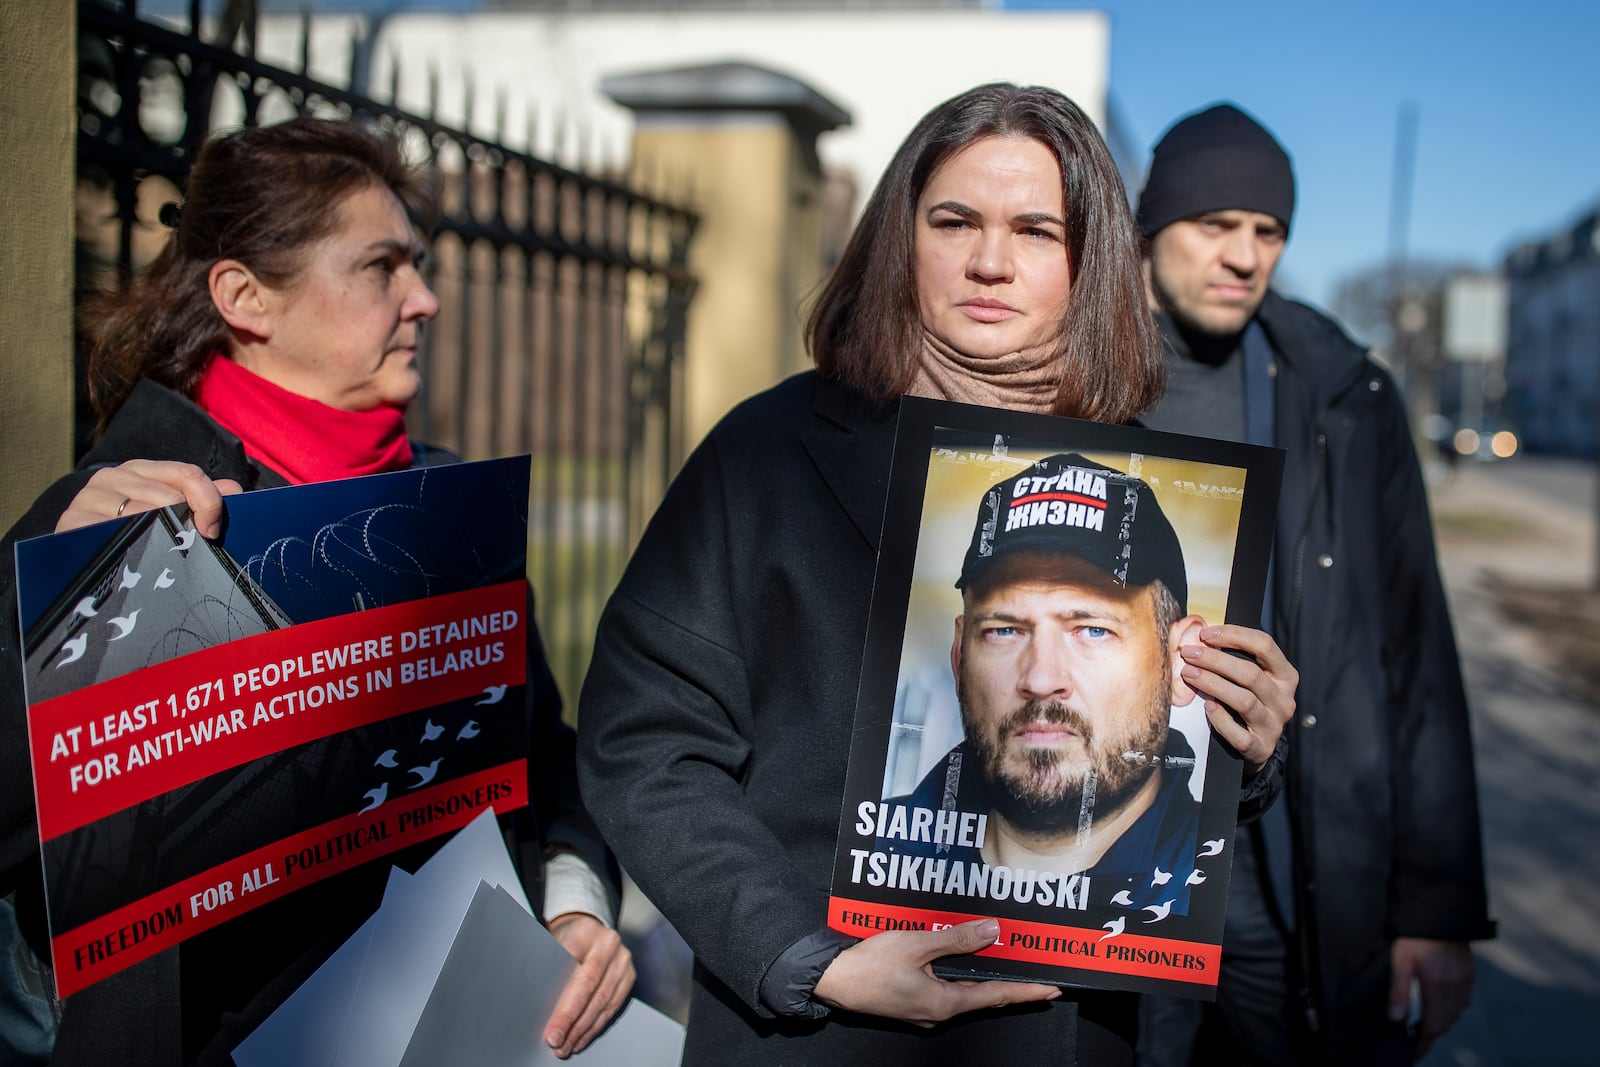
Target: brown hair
864	329
261	196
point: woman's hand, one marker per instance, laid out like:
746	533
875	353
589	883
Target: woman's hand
891	975
596	990
1249	698
142	484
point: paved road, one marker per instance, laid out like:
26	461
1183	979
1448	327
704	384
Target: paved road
1538	743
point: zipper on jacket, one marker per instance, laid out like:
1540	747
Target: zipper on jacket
1304	876
1297	588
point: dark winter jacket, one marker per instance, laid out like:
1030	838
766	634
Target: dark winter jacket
1382	791
716	722
219	985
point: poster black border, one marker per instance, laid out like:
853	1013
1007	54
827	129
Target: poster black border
919	420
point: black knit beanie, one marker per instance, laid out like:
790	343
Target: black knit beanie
1219	159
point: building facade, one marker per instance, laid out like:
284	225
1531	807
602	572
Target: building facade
1553	340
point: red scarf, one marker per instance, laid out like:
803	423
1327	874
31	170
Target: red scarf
302	439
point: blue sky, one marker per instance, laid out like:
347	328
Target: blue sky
1507	98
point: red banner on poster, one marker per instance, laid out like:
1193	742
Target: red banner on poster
106	747
123	937
1045	943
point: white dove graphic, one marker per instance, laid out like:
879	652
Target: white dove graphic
425	774
495	693
469	730
125	624
130	578
1196	877
1125	898
164	579
376	796
1211	848
74	649
1116	926
1160	877
431	732
386	760
185	541
1159	911
85	607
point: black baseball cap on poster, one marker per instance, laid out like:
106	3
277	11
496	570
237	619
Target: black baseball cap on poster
1074	506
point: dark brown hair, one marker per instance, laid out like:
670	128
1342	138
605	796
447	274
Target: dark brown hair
262	196
865	328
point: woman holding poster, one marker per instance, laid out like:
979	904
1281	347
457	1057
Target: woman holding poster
995	263
274	342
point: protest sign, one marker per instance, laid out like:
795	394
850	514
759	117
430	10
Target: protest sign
1026	747
214	724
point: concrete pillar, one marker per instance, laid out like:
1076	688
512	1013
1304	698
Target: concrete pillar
38	123
740	140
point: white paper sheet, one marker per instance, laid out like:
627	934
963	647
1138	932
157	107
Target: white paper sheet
498	987
453	969
414	931
306	1028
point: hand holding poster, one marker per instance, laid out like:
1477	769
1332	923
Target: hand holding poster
215	724
1027	745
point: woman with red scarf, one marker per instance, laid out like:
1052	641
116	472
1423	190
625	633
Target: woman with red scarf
274	342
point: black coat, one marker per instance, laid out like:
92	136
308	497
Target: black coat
1382	791
716	719
227	979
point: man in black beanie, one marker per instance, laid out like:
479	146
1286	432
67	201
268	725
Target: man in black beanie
1354	898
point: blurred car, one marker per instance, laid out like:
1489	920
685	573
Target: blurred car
1452	443
1486	444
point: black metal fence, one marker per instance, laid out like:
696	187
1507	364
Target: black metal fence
563	295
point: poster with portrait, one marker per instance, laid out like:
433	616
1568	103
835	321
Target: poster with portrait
215	724
1026	746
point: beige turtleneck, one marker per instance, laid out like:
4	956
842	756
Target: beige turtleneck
1026	380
